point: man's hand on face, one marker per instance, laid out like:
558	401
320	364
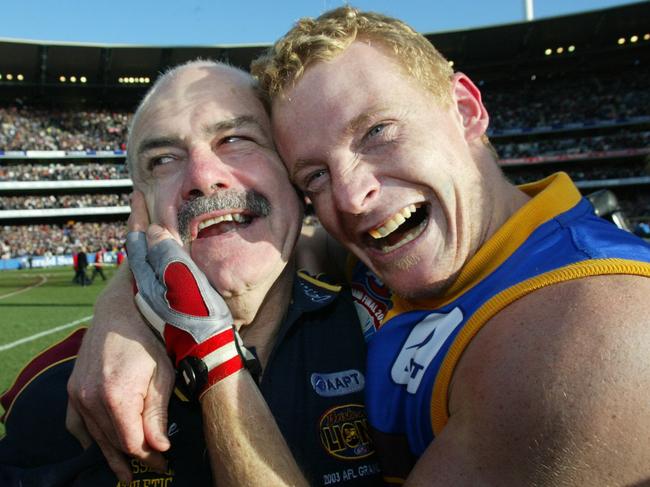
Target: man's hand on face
183	308
122	380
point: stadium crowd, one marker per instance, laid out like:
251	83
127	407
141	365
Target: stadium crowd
45	239
549	103
574	145
57	171
31	128
581	171
63	201
564	101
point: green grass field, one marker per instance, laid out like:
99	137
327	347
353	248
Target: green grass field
38	308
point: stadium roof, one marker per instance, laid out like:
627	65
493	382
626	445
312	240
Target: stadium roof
121	72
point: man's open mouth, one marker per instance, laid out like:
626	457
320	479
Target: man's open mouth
403	227
239	209
224	224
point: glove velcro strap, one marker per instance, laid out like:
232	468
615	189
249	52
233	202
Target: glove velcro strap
220	372
220	356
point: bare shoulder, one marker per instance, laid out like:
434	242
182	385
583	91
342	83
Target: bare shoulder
555	389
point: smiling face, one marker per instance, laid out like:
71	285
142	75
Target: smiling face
400	178
202	154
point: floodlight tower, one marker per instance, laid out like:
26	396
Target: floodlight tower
528	6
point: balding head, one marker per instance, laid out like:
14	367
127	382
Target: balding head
178	88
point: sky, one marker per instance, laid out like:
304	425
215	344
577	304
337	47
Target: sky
219	22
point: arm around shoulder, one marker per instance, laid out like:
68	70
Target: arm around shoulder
553	391
122	380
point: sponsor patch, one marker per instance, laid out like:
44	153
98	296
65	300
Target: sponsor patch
372	299
338	383
344	432
422	345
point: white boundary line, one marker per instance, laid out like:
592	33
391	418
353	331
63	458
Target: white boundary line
7	346
43	281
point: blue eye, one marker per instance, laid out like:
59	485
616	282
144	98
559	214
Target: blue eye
376	130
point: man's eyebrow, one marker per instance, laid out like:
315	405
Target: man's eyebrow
232	123
362	120
158	142
349	130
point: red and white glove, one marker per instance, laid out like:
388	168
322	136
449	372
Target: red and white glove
191	317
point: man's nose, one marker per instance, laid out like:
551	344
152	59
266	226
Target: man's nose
205	172
356	190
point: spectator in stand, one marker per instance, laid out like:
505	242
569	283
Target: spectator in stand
57	171
558	101
21	240
33	128
63	201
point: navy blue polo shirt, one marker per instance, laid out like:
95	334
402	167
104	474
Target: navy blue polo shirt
313	383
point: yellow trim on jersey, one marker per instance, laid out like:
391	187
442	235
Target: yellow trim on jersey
595	267
42	353
41	372
393	480
324	285
551	196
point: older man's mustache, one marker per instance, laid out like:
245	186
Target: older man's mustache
228	199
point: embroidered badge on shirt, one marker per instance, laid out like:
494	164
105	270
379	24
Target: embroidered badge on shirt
344	432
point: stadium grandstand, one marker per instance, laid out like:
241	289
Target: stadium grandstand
567	94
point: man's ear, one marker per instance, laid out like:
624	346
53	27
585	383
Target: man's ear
467	98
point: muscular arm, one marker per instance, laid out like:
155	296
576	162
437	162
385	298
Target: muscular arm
553	391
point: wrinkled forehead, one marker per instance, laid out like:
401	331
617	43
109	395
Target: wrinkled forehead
196	97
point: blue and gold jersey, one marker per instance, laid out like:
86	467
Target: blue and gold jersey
413	348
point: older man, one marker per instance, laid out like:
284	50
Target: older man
201	154
508	326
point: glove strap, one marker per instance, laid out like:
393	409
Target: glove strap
215	359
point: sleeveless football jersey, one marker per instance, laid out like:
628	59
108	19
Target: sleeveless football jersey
413	348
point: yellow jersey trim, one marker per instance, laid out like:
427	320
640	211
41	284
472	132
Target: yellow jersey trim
552	196
44	351
595	267
324	285
41	372
393	480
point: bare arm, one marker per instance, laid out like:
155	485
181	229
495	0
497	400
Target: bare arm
554	391
121	382
245	445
